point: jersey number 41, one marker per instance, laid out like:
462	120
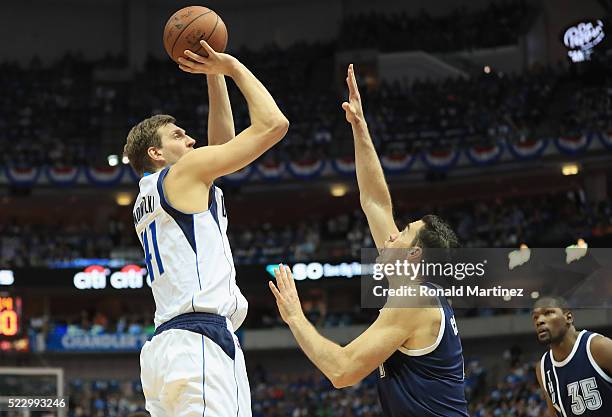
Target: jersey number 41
147	251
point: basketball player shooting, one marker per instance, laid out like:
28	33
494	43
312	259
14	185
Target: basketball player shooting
418	349
193	366
576	372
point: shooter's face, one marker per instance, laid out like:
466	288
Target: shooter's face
175	143
551	324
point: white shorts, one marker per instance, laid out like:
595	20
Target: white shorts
188	374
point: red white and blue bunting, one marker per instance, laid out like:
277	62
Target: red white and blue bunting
22	176
396	164
606	138
133	175
344	166
62	176
240	176
271	170
528	149
105	176
440	159
306	169
485	154
573	144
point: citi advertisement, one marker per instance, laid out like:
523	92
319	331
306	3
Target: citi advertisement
96	277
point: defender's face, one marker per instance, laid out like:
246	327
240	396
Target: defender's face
551	324
395	246
405	238
175	143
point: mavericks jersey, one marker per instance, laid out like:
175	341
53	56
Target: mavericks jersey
577	386
427	382
188	256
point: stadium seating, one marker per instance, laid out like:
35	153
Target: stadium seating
545	220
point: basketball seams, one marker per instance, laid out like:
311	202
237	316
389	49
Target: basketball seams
209	36
226	38
213	29
186	26
170	24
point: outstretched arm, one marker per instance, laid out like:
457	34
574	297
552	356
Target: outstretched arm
343	366
268	124
373	191
220	118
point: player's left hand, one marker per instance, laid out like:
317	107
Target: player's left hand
286	294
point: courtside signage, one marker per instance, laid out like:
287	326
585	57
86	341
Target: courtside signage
318	270
96	277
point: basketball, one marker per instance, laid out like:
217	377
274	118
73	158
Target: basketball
188	26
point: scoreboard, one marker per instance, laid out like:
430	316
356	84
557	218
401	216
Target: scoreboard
10	316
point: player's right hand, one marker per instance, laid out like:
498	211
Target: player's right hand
214	63
353	108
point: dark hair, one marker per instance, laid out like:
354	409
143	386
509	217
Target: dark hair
141	138
554	302
436	233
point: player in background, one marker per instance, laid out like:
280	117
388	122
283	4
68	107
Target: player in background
193	366
417	350
576	372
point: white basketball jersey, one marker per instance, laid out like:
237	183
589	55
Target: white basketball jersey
188	256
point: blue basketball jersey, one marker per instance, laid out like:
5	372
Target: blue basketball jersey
577	386
427	382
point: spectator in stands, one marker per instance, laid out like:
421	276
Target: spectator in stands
545	220
515	394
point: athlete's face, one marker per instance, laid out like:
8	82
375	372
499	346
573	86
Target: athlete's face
551	324
404	239
395	246
175	144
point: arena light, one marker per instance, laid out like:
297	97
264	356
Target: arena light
124	199
576	252
125	160
113	160
7	277
338	190
570	169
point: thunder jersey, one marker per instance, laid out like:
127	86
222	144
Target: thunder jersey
188	256
577	386
427	382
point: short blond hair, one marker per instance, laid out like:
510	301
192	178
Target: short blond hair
141	138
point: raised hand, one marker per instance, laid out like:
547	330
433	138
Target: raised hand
212	63
353	109
286	294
